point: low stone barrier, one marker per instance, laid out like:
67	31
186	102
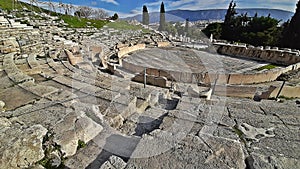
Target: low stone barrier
153	80
163	44
127	50
72	59
209	78
281	57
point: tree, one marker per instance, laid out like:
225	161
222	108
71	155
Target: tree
115	17
291	32
261	31
228	26
84	11
162	21
179	28
258	31
171	29
186	28
215	29
145	15
230	13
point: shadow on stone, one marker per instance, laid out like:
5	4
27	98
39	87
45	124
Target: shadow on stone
118	145
148	124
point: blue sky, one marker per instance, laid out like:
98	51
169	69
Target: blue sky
132	7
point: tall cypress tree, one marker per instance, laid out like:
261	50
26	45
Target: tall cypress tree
187	26
228	25
162	21
291	32
145	15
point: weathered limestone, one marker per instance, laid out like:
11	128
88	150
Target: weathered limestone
9	45
21	146
75	127
39	90
2	104
15	74
215	152
255	134
114	162
271	55
163	44
15	97
119	120
74	60
127	50
153	80
96	52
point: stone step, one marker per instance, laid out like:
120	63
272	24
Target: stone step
15	74
39	90
32	61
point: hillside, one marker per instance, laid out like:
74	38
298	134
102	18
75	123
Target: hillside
213	14
72	21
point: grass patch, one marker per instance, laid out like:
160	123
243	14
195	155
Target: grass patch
123	25
9	6
268	67
81	144
75	22
72	21
50	146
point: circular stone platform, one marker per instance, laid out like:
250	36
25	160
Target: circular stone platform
188	60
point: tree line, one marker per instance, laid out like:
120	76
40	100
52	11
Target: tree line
97	13
173	28
257	31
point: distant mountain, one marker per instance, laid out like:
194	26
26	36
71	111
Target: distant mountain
154	17
213	14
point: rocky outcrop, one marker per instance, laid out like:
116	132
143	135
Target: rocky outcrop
20	146
114	162
75	127
74	60
9	45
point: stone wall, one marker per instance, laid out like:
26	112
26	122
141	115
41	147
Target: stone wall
72	59
250	91
125	50
153	80
9	45
276	56
287	91
208	78
163	44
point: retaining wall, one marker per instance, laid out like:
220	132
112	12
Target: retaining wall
153	80
127	50
271	55
209	78
163	44
287	91
72	59
280	57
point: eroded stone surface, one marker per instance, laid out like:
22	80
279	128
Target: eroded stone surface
21	146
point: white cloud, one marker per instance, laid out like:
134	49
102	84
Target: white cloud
181	2
289	5
151	4
111	1
135	11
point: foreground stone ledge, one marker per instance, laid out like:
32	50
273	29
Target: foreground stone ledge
21	146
